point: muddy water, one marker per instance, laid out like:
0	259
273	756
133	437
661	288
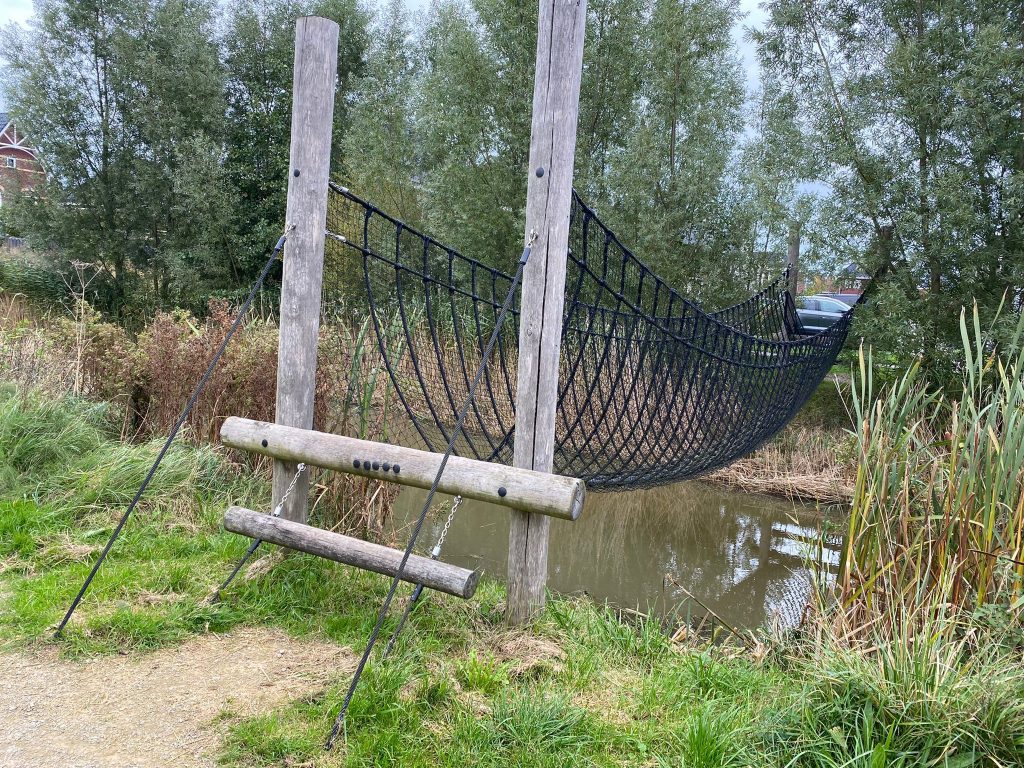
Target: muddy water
746	557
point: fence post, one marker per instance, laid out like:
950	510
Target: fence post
556	97
314	74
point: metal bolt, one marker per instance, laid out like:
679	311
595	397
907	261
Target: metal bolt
386	466
356	463
264	443
502	492
540	173
295	173
396	469
376	465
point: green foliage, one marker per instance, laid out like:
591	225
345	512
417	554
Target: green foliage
258	54
379	146
478	674
115	94
38	437
617	692
659	118
166	147
937	524
541	724
913	111
921	703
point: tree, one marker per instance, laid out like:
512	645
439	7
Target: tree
380	145
916	108
115	94
671	178
473	125
259	49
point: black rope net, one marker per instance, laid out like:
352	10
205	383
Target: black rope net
652	388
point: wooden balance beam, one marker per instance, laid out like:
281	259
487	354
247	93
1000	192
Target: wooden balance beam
434	574
522	489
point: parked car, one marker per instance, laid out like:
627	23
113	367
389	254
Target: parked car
817	313
846	298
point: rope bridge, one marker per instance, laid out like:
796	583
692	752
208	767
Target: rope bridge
653	389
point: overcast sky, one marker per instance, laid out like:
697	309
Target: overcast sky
19	11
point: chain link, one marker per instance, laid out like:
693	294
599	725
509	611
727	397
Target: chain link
288	491
436	553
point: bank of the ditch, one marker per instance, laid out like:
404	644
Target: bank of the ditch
578	687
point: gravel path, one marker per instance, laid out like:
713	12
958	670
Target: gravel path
154	709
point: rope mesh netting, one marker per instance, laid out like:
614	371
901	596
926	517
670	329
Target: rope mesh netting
652	388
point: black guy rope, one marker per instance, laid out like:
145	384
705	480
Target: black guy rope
456	431
215	597
193	399
418	589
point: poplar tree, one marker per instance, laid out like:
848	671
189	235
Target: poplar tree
380	144
916	108
258	51
671	177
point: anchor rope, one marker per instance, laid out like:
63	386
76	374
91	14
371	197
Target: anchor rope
215	597
418	589
193	399
456	431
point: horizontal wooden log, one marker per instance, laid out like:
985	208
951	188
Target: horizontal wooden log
522	489
434	574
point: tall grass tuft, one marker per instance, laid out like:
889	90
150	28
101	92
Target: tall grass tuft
936	530
39	435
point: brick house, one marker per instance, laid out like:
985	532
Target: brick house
20	169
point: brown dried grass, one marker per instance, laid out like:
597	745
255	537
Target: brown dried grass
802	463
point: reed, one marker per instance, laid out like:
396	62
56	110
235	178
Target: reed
936	528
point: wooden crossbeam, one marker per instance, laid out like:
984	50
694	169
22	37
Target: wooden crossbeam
434	574
521	489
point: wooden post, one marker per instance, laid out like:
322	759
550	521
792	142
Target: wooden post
556	97
793	257
314	74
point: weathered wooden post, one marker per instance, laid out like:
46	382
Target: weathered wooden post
793	257
314	74
556	96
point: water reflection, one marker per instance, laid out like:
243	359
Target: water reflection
744	556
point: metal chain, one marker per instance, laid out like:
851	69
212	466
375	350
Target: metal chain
436	552
288	491
215	597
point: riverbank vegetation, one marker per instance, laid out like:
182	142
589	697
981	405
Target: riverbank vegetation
73	350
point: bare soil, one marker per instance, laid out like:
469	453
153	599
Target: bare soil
166	708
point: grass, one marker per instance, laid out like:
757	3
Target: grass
580	687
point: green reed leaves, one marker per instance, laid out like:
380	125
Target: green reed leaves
936	529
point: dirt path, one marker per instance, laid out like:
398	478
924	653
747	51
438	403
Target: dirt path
151	710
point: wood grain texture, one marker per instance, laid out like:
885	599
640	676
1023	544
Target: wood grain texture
315	73
538	492
560	33
434	574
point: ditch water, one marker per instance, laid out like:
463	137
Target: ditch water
746	557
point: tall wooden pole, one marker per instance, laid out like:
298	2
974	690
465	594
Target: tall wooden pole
793	257
556	98
314	75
